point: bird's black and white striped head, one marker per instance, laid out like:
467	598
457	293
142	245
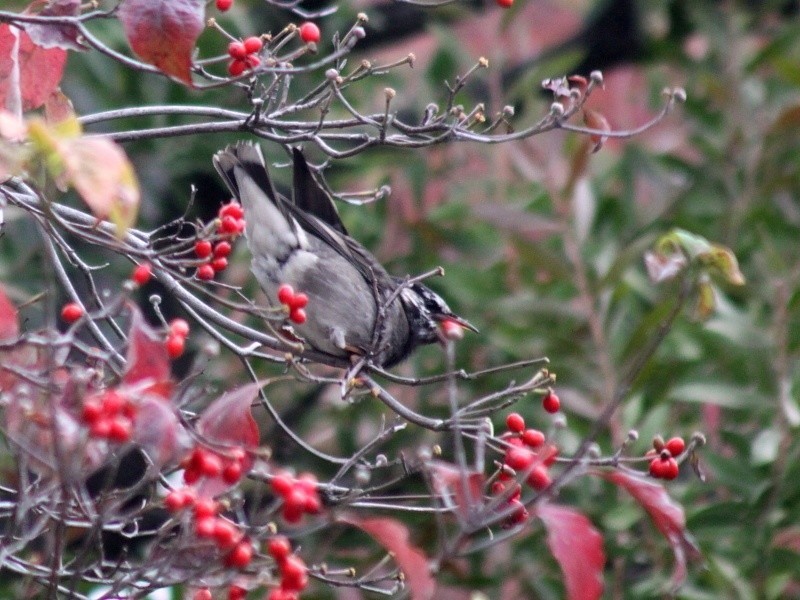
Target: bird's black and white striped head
426	312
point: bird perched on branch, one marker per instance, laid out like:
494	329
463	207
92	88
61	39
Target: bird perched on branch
355	308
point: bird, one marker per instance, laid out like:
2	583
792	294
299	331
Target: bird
356	309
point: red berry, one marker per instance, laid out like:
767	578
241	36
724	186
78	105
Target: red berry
71	312
670	470
253	44
205	528
505	3
202	594
300	300
112	403
298	315
241	555
120	430
222	249
142	273
520	514
237	50
452	330
309	32
232	473
279	548
179	327
551	403
307	482
515	422
236	67
202	248
285	294
219	264
204	508
205	272
228	224
191	475
231	209
533	438
175	500
100	428
236	592
281	594
294	574
225	534
210	465
519	458
657	467
252	61
675	446
294	505
240	225
538	478
282	485
91	411
223	5
175	345
312	504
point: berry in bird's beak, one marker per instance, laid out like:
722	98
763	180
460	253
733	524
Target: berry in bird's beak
451	330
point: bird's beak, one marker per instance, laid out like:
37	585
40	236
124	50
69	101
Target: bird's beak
451	327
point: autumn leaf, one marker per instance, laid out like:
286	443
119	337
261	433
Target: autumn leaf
163	33
57	35
666	514
9	327
578	548
394	536
95	166
28	72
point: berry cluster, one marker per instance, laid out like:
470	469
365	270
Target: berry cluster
142	273
231	224
244	55
109	415
294	303
299	495
294	573
526	452
663	464
176	338
71	312
209	525
203	462
309	32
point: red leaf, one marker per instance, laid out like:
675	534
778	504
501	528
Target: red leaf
56	35
447	482
228	421
393	535
9	327
578	548
28	73
147	358
666	514
158	430
163	32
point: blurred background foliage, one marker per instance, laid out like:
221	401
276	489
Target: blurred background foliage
545	255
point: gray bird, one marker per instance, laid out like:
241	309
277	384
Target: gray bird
303	242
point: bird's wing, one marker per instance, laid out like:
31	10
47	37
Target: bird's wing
311	197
